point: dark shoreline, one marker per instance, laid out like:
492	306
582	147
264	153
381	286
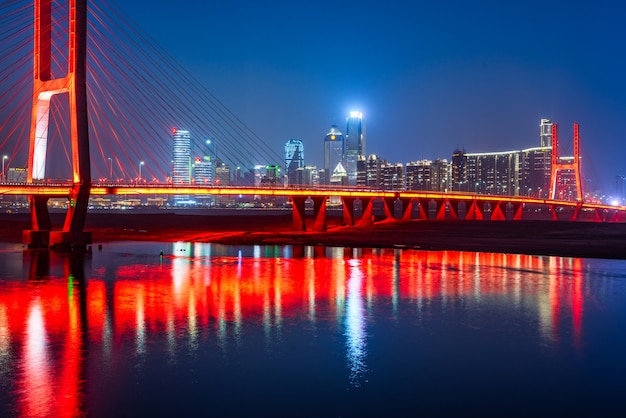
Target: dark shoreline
535	237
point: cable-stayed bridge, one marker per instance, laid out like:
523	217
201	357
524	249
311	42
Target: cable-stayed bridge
86	96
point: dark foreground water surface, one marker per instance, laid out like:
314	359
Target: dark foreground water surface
210	330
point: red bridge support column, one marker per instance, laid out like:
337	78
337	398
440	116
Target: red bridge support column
407	208
348	210
366	217
475	211
319	213
517	211
441	209
496	211
74	84
555	216
299	223
423	204
390	207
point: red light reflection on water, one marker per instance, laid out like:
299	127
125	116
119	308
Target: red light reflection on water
42	323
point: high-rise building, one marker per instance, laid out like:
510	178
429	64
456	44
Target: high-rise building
535	164
459	171
307	175
427	175
392	176
181	157
545	133
294	159
355	145
203	170
369	171
222	174
333	152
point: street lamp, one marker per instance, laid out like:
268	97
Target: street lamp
140	164
4	176
110	169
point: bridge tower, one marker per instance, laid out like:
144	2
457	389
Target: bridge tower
559	166
73	83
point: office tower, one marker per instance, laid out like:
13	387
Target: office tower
294	159
222	174
203	176
545	133
459	172
494	173
333	152
203	170
181	157
535	164
419	175
354	146
392	176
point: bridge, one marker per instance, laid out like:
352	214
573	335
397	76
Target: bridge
73	75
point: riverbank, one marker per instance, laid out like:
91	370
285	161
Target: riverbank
573	239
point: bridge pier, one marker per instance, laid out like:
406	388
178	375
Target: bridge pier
407	208
299	213
348	210
423	207
319	213
496	211
475	212
45	87
366	217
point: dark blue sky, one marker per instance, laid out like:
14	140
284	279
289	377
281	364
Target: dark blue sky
429	76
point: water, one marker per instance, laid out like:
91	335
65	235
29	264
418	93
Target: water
210	330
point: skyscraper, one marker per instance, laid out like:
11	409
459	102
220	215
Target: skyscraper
203	170
181	157
333	152
355	145
294	159
545	133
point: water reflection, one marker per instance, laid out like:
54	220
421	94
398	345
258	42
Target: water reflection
198	293
355	325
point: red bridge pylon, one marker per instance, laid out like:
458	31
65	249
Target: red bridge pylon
559	167
44	88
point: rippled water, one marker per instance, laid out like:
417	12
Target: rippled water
210	330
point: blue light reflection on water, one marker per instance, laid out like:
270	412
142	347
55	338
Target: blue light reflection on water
294	331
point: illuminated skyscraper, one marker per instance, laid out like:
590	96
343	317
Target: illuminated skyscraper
545	133
181	157
355	145
294	159
333	152
203	170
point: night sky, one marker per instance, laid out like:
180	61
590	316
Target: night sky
429	76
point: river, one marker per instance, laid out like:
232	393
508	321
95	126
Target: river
189	329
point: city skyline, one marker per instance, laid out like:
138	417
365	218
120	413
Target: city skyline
428	78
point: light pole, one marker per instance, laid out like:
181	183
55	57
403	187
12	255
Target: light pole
140	164
110	169
4	176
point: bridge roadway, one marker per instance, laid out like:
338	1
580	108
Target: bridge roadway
451	205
